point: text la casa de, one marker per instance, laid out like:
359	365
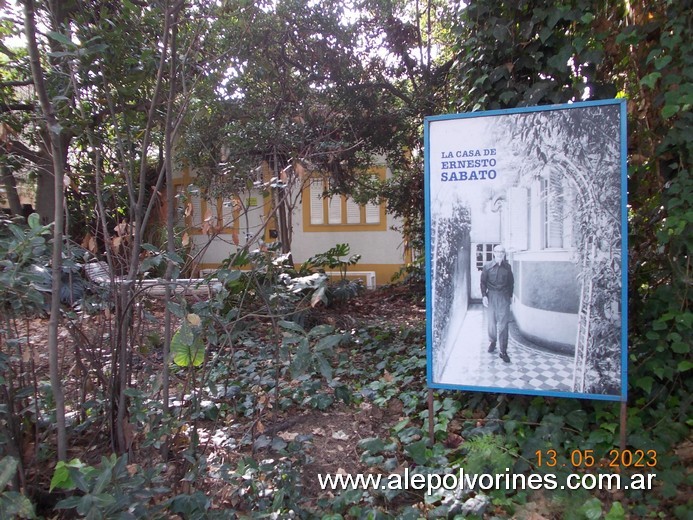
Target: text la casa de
463	166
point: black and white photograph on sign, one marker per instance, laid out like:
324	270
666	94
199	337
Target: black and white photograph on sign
525	221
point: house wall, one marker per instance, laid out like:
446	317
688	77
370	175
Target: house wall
381	248
546	298
547	290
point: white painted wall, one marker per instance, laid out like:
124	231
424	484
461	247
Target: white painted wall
375	247
541	325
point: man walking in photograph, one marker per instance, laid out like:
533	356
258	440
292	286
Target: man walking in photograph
497	290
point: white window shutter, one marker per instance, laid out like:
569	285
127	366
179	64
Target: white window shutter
196	202
372	214
518	219
353	211
179	207
555	213
227	217
316	202
334	210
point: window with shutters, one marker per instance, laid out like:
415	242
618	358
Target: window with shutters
556	217
323	213
201	216
190	208
517	219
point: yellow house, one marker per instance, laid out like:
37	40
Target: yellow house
215	229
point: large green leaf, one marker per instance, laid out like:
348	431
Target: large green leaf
187	348
291	326
301	360
62	479
15	505
8	466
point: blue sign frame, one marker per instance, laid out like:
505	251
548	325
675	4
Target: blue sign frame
546	189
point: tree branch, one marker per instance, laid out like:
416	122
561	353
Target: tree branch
10	107
23	151
17	83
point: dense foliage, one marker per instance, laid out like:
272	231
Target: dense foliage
312	87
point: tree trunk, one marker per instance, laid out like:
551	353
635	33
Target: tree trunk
45	189
58	169
141	212
170	219
10	184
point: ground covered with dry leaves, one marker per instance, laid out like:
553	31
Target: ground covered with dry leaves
247	441
235	427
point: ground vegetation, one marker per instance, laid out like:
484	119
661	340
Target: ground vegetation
229	399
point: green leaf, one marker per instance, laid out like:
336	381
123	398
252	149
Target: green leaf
610	427
95	49
616	512
16	505
418	451
302	360
151	248
61	476
149	262
292	326
651	79
187	348
328	342
500	33
321	330
103	479
670	110
175	258
684	366
343	393
61	38
324	366
645	383
8	467
34	221
322	401
662	62
592	509
176	309
659	325
680	347
372	445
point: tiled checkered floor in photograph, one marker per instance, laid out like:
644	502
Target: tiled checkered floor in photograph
531	368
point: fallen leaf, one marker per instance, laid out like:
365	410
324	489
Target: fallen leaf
287	436
128	433
453	440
